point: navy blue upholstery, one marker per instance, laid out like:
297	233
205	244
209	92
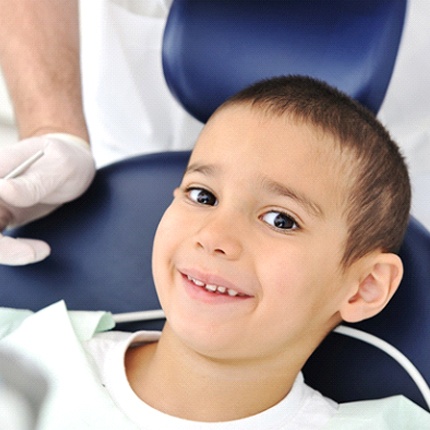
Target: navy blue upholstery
213	48
101	243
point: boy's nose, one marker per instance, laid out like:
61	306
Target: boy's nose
219	237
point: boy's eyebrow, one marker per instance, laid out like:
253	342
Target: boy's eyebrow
281	189
268	184
206	169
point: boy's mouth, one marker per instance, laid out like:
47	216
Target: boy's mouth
216	289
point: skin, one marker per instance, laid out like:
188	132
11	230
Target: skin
39	56
279	247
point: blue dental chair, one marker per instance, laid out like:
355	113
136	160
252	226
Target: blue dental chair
101	242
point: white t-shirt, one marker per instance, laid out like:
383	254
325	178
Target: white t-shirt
303	408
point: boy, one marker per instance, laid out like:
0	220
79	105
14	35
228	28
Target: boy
286	222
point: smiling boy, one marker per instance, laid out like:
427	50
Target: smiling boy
286	223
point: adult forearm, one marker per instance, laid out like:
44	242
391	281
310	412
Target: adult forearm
39	55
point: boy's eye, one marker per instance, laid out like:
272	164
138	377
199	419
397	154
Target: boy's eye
280	220
202	196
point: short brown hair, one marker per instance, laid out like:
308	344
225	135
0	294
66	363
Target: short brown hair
378	207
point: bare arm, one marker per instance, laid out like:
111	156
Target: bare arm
39	55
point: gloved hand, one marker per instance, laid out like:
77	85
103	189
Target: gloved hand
63	173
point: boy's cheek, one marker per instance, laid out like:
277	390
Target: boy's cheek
171	227
165	240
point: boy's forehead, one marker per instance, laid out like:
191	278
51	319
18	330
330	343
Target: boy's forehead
243	123
278	146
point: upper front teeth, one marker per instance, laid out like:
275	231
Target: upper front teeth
197	282
213	288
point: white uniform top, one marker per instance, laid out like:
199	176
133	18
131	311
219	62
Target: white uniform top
128	107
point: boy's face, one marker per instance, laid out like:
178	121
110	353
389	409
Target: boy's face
247	257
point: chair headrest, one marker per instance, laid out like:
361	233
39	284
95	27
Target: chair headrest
214	48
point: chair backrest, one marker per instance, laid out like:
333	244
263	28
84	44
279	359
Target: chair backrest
101	242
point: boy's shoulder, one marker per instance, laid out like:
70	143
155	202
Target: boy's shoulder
390	413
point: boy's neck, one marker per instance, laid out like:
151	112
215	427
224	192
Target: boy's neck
182	383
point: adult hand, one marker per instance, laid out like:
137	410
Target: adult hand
62	174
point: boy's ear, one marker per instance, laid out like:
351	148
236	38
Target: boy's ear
377	283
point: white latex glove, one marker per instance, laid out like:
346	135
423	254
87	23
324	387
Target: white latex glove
63	173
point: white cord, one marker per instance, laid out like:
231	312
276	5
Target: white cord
392	352
126	317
